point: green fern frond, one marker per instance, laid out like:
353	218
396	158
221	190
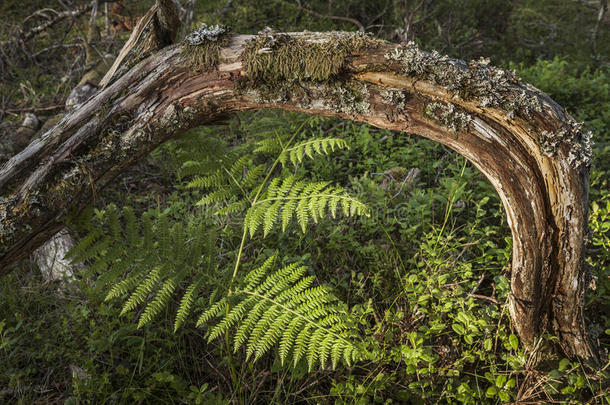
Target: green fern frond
309	200
142	290
253	176
159	303
122	287
233	208
270	145
213	311
216	179
77	252
282	309
186	304
310	148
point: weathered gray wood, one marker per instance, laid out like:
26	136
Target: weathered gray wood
528	147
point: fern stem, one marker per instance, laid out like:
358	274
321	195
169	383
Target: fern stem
253	202
237	183
309	196
238	260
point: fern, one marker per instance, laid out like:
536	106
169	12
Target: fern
308	200
309	148
283	309
146	265
153	261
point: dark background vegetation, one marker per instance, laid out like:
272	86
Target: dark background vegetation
425	275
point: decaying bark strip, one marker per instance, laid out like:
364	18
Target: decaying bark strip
533	153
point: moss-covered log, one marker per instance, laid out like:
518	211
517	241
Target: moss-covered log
533	153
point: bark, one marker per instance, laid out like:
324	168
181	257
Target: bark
532	152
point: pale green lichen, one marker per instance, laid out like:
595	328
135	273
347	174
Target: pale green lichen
351	98
202	46
491	86
394	97
578	140
448	115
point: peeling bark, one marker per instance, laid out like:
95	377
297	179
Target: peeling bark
532	152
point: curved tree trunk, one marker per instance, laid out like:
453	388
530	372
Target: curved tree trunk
533	153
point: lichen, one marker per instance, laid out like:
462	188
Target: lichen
578	140
202	46
396	98
274	57
581	145
549	141
491	86
350	98
448	115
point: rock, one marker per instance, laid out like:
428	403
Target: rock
50	257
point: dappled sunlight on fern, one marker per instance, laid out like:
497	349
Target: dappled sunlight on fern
284	309
154	262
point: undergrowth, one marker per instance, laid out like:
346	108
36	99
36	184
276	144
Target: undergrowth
253	279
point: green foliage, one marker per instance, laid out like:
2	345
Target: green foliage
585	94
308	200
284	309
425	276
265	308
154	257
296	153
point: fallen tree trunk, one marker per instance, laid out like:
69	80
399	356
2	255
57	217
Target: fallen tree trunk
532	152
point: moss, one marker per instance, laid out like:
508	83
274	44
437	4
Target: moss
448	115
202	46
274	57
477	80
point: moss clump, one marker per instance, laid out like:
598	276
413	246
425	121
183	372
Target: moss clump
491	86
202	46
448	115
273	58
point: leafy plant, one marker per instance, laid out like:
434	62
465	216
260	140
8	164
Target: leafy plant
282	308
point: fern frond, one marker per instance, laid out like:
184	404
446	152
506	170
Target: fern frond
237	168
142	290
234	207
216	196
160	302
215	179
309	200
131	228
122	287
310	148
252	177
270	145
80	251
186	304
213	311
282	309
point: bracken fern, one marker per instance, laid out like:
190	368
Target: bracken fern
283	308
147	262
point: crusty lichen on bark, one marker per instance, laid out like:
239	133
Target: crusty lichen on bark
448	115
477	80
578	140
